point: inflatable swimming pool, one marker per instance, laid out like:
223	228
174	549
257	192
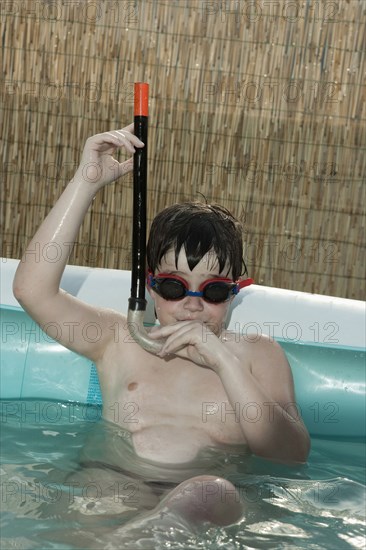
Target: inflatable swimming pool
322	336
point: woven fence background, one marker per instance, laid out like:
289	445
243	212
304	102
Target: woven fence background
259	106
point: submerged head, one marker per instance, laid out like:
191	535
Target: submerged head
189	244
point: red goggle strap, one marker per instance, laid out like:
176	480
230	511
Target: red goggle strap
245	282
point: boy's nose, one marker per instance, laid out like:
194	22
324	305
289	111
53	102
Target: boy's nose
193	303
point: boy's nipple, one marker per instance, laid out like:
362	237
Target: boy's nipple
132	386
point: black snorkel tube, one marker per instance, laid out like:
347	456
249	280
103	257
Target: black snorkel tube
137	301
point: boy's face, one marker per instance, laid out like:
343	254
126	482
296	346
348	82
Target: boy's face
191	307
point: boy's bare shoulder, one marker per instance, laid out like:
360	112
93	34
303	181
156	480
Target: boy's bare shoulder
254	344
114	324
96	330
263	348
268	365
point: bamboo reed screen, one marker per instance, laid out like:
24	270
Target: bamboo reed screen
259	106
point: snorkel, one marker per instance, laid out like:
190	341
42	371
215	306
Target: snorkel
137	301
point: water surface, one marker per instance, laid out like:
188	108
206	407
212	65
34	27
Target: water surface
48	500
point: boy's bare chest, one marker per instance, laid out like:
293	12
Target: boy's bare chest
149	393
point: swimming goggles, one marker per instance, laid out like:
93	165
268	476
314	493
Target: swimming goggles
214	291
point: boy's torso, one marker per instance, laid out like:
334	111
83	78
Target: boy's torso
173	408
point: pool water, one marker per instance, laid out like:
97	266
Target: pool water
315	506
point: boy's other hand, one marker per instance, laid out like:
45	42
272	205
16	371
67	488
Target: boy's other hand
191	340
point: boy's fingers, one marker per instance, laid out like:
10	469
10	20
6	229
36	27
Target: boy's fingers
153	330
125	167
129	128
131	132
179	339
125	134
119	139
161	332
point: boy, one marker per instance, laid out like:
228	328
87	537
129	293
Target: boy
200	361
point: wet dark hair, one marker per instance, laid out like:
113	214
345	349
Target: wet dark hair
200	228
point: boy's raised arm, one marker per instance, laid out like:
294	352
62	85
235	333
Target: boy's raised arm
37	280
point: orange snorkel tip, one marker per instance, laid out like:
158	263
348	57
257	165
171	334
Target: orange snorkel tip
141	99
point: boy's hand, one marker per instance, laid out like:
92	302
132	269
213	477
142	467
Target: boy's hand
191	340
98	167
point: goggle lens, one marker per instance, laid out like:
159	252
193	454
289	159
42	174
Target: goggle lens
217	292
170	289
